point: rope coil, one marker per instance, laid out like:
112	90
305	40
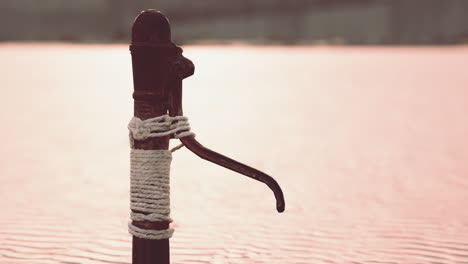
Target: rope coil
149	174
161	126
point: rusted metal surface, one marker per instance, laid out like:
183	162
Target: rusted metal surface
151	48
158	70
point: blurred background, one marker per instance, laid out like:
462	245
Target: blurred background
356	22
356	107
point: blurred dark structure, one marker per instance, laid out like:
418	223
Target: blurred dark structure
257	21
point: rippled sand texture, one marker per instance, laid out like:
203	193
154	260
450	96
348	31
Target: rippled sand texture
369	145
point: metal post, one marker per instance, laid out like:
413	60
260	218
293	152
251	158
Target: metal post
152	51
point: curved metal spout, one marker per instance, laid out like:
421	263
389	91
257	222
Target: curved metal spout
193	145
181	68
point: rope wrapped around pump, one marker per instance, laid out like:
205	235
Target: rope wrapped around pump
149	173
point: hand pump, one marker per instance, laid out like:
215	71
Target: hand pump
158	70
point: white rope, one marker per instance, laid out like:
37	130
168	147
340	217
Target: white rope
149	174
161	126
